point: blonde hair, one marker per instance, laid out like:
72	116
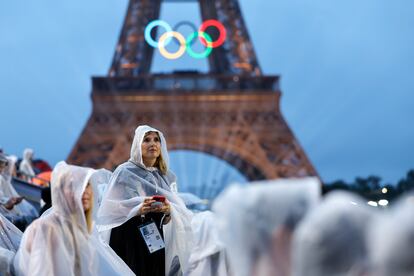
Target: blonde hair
89	214
160	164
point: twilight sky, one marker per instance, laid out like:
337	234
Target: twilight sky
346	75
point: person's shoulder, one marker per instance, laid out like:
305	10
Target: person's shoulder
40	223
126	166
127	170
134	168
38	226
171	176
40	231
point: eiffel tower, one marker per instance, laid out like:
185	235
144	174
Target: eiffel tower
232	112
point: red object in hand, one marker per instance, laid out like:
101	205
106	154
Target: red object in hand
159	198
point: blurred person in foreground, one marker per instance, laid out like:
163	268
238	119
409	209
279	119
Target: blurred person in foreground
209	256
60	242
12	205
391	240
257	221
331	240
149	225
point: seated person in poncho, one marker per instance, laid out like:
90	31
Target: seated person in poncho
12	205
26	166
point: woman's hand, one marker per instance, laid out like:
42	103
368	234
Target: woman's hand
146	206
12	201
166	209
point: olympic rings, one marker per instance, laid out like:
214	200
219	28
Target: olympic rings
185	23
151	26
219	26
209	46
185	44
162	42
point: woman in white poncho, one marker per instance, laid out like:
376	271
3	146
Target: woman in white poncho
129	206
60	243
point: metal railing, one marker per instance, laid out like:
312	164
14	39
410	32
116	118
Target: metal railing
184	82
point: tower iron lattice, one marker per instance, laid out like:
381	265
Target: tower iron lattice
231	112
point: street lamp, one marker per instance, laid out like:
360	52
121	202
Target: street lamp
383	202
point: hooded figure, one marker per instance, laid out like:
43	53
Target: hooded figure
127	207
10	238
209	257
331	240
60	243
26	166
10	170
16	209
256	223
390	240
100	181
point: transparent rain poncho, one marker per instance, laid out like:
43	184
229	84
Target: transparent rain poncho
331	240
9	170
391	240
26	164
256	222
23	212
208	257
131	183
10	238
100	182
193	202
59	243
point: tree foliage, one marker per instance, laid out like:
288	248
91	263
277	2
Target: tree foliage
371	187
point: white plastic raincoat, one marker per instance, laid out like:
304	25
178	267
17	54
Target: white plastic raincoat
256	222
23	211
59	243
390	240
331	240
26	164
10	238
209	257
131	182
100	182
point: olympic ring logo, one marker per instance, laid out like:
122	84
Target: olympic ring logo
185	44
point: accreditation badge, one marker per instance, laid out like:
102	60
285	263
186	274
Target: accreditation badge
152	237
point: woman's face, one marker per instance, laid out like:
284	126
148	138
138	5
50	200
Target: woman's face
151	146
87	198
